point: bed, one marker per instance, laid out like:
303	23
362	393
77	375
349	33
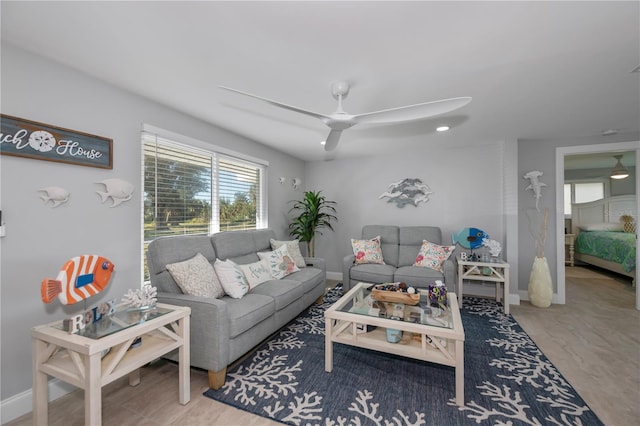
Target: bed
600	240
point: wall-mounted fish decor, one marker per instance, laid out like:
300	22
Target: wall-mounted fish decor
407	191
80	278
118	190
470	238
55	194
535	185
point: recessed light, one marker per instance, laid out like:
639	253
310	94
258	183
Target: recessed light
609	132
442	129
323	142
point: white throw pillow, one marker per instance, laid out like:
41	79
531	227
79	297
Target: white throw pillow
231	278
280	262
605	226
256	273
293	247
196	277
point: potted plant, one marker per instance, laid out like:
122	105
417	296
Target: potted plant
315	214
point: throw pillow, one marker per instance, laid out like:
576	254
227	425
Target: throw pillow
367	251
293	247
280	262
256	273
433	255
231	278
196	277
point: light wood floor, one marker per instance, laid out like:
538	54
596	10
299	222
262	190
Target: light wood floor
594	340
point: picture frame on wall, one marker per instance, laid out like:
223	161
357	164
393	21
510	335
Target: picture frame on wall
20	137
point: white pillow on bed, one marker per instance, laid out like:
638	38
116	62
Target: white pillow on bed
605	226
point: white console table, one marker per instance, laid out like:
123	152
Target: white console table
78	358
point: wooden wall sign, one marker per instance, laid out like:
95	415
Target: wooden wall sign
30	139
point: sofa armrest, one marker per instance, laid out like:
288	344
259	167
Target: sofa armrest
316	262
347	263
450	268
209	328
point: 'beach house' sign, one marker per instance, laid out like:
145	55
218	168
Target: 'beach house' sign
30	139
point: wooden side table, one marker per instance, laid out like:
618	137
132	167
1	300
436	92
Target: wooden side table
497	272
78	358
569	240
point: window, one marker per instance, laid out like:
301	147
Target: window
191	190
581	192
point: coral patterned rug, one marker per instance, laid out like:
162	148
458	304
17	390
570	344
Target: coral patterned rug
508	380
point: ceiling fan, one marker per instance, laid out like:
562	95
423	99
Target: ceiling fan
340	120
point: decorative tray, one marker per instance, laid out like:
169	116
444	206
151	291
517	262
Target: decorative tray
394	296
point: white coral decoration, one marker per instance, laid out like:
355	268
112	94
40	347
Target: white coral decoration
146	296
494	247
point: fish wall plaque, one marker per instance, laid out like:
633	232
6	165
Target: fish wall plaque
118	190
407	191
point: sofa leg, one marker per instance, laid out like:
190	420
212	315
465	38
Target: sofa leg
320	300
216	378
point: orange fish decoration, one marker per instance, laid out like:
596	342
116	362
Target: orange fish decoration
80	278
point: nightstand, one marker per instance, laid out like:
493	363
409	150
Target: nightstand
569	240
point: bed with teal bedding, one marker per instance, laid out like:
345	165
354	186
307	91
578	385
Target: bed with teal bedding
617	247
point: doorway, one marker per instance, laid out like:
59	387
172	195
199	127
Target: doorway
561	152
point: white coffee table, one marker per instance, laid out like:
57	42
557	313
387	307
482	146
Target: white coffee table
350	313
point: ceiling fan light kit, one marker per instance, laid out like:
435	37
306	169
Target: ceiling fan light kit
340	120
619	171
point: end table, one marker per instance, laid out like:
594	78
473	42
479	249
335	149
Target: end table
78	358
496	271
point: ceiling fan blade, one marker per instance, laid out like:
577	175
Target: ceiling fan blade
279	104
412	112
332	140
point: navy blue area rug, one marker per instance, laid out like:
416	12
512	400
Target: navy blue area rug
508	380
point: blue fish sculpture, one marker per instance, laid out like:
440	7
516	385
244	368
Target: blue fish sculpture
469	238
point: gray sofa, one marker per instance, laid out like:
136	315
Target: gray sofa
224	329
400	246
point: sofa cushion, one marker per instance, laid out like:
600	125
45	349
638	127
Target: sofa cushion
367	251
284	292
247	312
280	261
294	250
230	275
410	240
165	250
373	273
256	273
433	255
389	240
308	278
242	246
196	277
417	276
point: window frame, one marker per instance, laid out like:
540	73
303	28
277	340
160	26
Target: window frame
573	182
217	154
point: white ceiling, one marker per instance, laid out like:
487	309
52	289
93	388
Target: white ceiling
535	70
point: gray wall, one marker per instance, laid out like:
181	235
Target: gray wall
541	155
40	239
466	179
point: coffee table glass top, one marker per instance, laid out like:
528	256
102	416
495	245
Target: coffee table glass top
362	303
123	318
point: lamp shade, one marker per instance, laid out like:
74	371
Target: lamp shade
619	171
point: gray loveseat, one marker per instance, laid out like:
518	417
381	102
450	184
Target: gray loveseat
224	329
400	246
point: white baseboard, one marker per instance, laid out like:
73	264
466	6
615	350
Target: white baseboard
22	403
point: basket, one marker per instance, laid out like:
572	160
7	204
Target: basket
395	297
